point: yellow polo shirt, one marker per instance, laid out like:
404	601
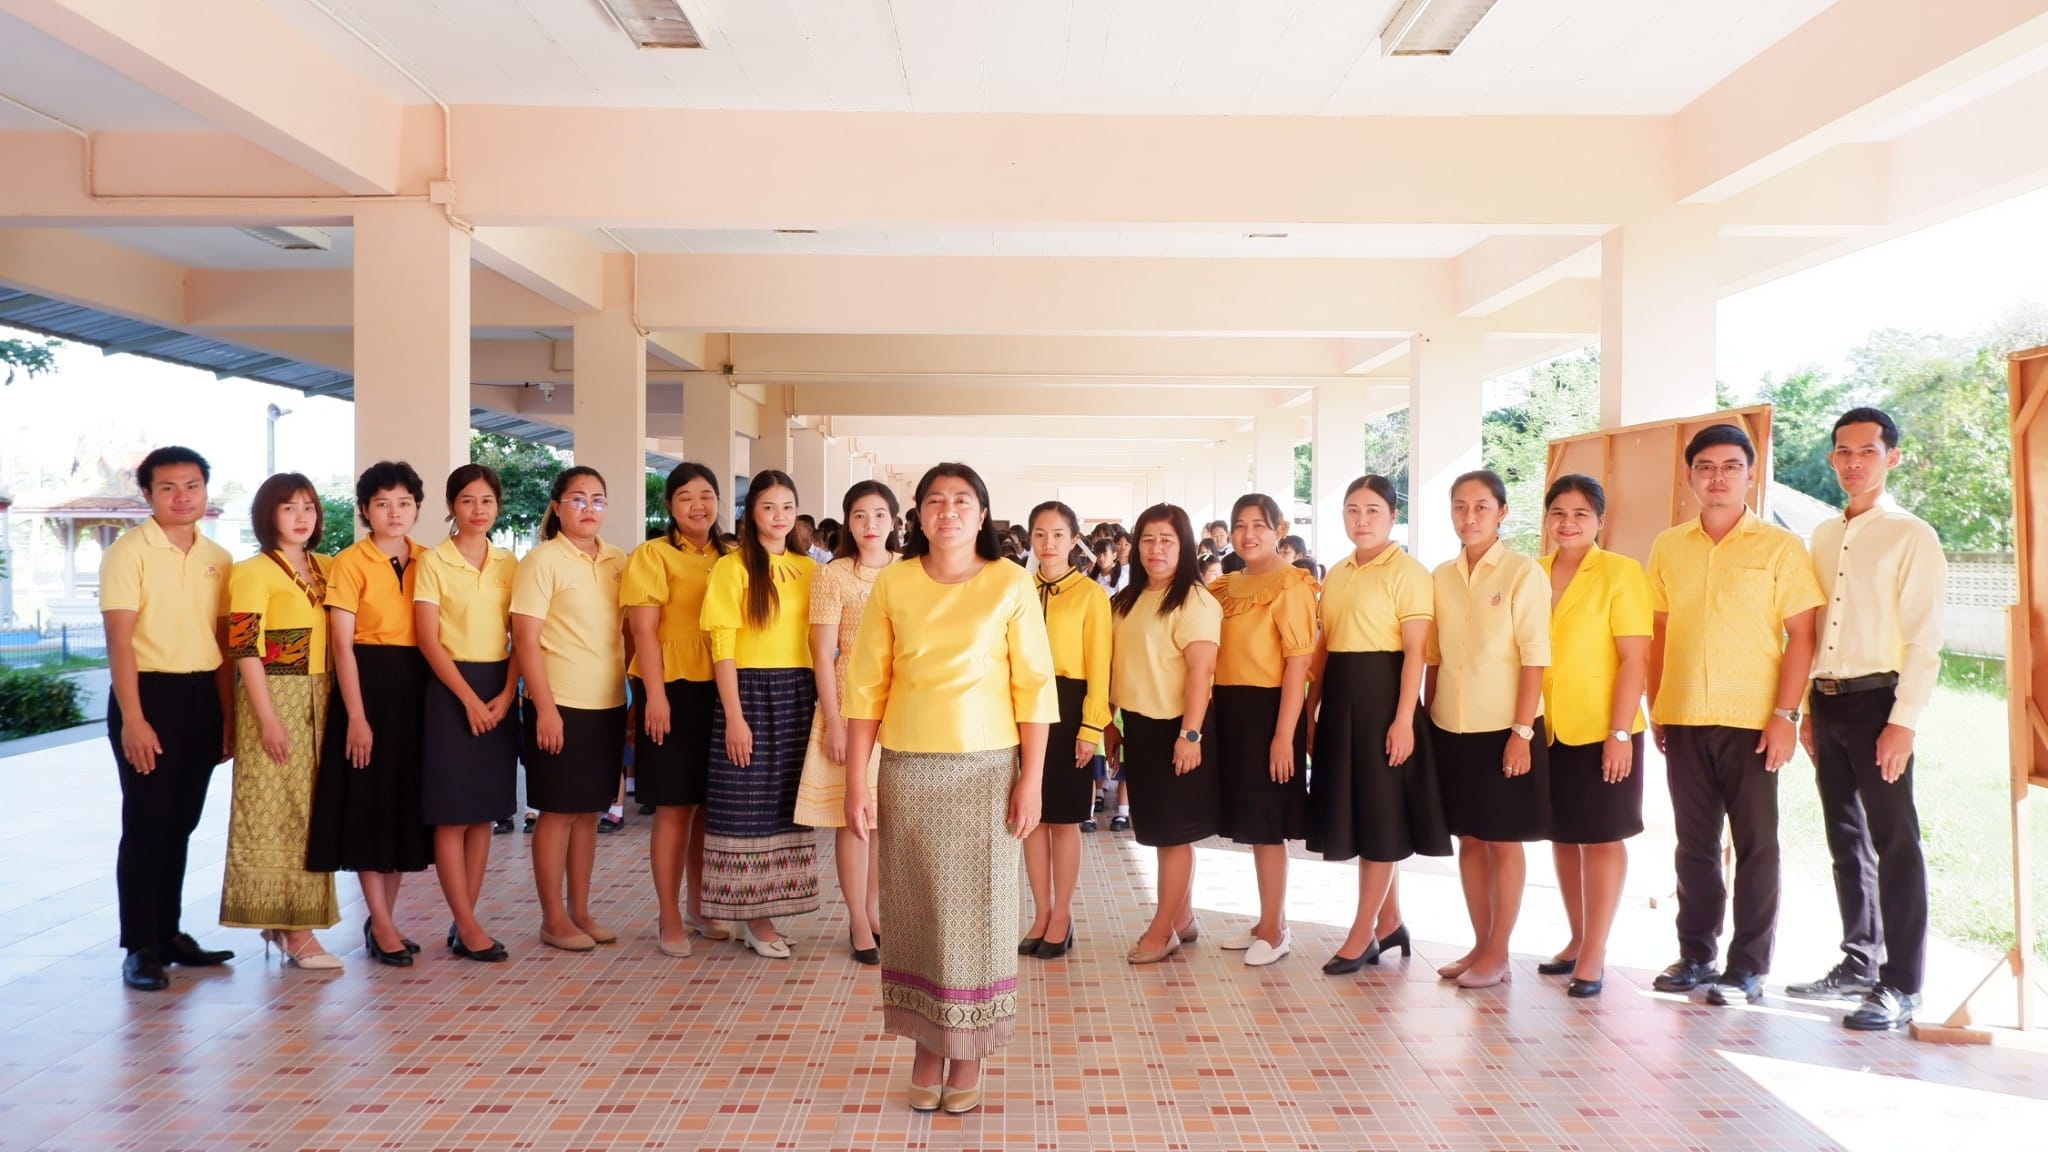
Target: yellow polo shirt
951	667
1492	621
1077	624
575	596
364	581
473	606
786	641
178	598
274	618
1149	668
1608	597
1266	619
1364	605
672	575
1724	631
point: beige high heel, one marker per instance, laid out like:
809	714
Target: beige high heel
310	956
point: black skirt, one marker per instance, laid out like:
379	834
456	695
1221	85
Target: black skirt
1359	804
1256	810
368	819
465	778
1167	809
584	776
1586	809
677	770
1481	801
1067	793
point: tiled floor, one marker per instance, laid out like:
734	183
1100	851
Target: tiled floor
628	1049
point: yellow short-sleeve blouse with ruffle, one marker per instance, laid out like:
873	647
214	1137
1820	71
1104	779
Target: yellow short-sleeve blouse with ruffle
1266	619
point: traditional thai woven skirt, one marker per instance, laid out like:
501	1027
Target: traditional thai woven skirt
266	884
949	898
758	862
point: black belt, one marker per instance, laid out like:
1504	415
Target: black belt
1848	687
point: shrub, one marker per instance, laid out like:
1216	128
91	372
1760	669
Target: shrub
34	700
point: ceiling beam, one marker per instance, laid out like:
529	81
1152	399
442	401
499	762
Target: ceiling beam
555	264
931	399
93	273
217	298
1500	270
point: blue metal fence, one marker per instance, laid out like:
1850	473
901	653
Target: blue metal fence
51	645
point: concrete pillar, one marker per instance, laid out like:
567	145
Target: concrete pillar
807	450
861	467
610	370
1231	479
411	289
1659	291
709	438
838	475
771	448
1445	404
1341	411
1273	456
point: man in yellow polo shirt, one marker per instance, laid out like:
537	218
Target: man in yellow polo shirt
1733	602
164	597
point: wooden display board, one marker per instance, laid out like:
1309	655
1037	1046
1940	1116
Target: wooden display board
1643	469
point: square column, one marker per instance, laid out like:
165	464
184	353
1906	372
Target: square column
710	438
1659	294
807	450
771	448
1338	458
610	369
860	467
1273	442
838	475
411	298
1230	479
1445	405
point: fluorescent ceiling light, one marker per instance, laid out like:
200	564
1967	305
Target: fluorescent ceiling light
291	239
653	23
1265	235
1431	27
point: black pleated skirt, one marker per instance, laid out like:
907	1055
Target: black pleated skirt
1167	809
1360	805
1483	802
1256	809
368	819
1067	793
1586	809
677	770
465	778
584	776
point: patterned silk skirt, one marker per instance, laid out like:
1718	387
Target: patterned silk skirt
949	900
266	884
757	862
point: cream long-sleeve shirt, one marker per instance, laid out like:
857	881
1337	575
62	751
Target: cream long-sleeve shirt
1885	580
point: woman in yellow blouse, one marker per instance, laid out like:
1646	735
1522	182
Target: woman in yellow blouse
953	673
663	595
1487	654
366	802
1269	635
839	597
462	613
1374	792
1077	621
758	863
571	646
1600	631
1162	668
277	637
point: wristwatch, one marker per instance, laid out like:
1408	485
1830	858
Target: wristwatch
1621	734
1791	714
1525	731
1191	735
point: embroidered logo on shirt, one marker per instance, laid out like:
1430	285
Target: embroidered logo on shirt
1496	599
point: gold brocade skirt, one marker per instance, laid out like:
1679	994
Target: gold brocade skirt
266	884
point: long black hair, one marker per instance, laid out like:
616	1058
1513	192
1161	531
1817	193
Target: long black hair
1187	571
987	544
763	601
680	475
552	525
846	545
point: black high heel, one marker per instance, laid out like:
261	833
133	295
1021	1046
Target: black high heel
1030	945
1557	967
868	956
1047	950
1398	938
397	959
1341	965
1585	989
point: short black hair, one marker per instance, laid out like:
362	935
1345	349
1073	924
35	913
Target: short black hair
166	456
807	520
1717	434
383	476
987	545
1887	427
1488	477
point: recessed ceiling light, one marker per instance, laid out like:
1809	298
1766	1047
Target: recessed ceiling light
1431	27
291	239
796	231
653	23
1265	235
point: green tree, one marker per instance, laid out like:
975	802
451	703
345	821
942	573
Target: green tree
526	470
1804	407
1304	472
1949	398
1561	398
32	357
337	523
657	512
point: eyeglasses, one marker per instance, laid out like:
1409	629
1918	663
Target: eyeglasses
580	503
1706	470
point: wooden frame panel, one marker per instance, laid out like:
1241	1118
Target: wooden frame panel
1642	467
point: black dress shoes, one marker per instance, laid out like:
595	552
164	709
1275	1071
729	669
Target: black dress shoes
184	950
143	971
1736	987
1684	976
1029	945
399	958
1585	989
1053	950
1557	967
1839	984
868	956
501	827
1882	1010
1342	965
1398	938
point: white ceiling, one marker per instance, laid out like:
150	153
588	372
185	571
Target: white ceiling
52	78
226	248
1378	243
1242	57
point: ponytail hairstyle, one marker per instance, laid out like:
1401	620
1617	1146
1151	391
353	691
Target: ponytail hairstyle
845	545
1381	487
763	601
1267	506
1187	572
469	474
1584	485
682	474
551	527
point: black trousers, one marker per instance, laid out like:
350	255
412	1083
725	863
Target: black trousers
1874	836
159	810
1715	772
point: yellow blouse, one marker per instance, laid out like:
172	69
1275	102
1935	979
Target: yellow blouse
362	581
1608	597
673	575
275	618
575	596
1149	672
1266	619
1364	606
1492	621
472	607
786	641
952	667
1077	623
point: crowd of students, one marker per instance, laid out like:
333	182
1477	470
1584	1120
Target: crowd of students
939	709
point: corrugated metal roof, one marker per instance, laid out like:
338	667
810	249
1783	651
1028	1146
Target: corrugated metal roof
115	335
